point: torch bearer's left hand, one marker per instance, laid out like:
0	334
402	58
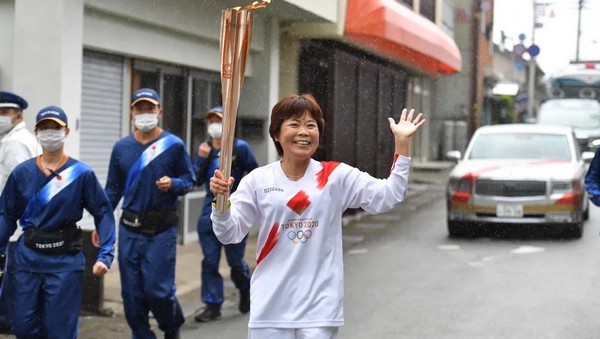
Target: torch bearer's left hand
218	184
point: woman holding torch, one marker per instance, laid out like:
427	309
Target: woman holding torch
298	202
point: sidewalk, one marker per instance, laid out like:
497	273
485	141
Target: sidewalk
189	258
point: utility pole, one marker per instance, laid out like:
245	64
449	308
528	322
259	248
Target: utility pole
472	114
578	29
532	63
532	66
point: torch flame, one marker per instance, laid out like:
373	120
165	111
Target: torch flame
258	4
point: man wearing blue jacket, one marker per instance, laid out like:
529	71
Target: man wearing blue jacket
207	162
149	169
47	195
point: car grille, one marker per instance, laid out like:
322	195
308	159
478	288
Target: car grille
510	188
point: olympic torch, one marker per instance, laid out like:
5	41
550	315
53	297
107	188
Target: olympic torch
236	32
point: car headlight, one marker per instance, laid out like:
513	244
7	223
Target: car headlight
459	189
459	185
562	186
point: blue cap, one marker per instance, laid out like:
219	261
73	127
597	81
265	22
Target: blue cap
53	113
218	111
12	100
147	94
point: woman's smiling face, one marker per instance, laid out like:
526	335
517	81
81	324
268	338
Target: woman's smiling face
299	136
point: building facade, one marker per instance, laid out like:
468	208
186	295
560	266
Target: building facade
364	60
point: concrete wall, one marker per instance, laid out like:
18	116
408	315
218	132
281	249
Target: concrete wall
43	57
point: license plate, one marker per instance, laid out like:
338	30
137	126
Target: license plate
509	210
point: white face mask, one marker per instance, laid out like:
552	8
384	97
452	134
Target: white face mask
146	121
5	124
51	139
215	130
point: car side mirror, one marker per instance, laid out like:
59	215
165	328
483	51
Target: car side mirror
454	156
587	156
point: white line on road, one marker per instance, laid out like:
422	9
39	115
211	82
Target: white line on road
449	247
527	250
358	251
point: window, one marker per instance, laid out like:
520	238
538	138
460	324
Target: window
206	93
521	146
427	9
169	82
175	85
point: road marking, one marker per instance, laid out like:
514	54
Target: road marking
370	225
476	264
449	247
353	238
482	262
358	251
527	250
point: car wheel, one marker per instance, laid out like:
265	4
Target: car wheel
456	229
575	231
586	213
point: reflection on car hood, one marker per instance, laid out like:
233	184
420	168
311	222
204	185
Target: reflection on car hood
507	169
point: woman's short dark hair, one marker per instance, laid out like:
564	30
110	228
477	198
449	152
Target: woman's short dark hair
293	106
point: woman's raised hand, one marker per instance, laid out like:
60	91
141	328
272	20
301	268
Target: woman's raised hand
406	126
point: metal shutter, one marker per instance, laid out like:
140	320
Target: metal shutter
101	116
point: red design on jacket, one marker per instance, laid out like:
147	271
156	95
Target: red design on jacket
299	203
323	175
269	244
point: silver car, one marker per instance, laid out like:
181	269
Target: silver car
518	174
583	115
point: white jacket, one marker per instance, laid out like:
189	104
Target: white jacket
16	146
298	280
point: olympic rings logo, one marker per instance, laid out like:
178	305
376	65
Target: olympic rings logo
299	236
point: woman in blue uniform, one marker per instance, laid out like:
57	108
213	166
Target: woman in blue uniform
47	195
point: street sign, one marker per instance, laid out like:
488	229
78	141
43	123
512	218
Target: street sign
519	49
533	50
522	37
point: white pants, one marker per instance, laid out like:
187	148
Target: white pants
293	333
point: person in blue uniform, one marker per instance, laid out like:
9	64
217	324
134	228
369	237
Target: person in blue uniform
47	195
17	144
149	169
207	161
592	179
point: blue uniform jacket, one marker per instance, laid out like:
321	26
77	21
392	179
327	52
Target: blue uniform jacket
66	207
173	162
242	163
592	179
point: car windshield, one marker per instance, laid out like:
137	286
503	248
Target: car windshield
577	117
521	146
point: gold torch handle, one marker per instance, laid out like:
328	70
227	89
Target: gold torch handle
236	29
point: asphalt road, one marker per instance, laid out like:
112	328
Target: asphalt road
404	278
415	282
